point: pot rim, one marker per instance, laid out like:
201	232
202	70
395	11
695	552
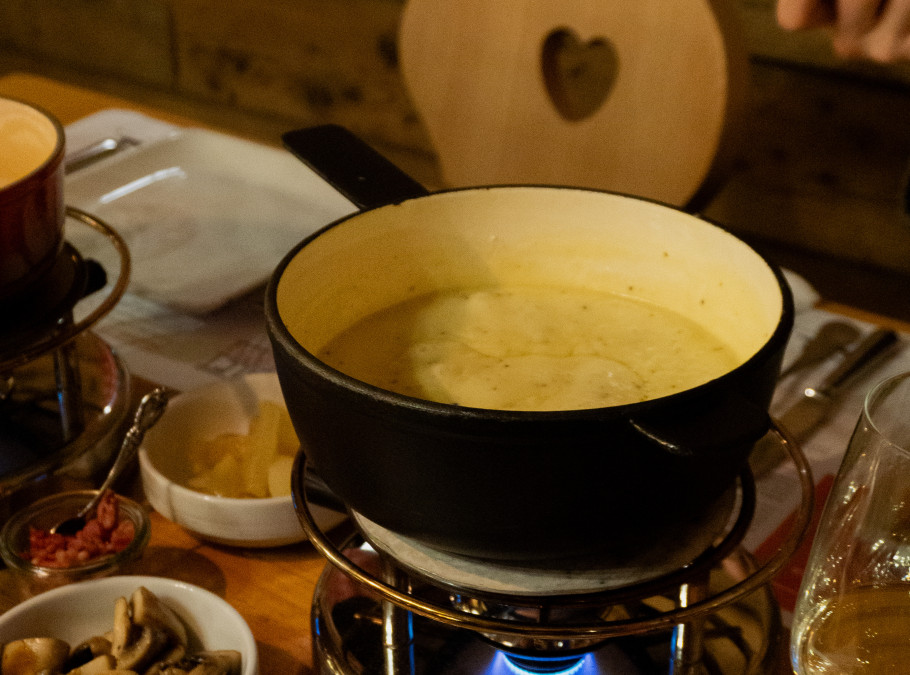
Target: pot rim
354	387
50	164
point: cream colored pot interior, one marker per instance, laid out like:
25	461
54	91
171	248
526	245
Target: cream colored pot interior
27	140
495	237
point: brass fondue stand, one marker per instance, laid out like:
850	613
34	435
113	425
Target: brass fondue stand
378	609
63	391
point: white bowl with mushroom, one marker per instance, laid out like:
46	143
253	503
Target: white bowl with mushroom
129	623
219	461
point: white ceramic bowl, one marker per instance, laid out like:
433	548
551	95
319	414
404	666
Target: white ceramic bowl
223	407
76	612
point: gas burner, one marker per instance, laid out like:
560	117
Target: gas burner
374	611
348	626
63	392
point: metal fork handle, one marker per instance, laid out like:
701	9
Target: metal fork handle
869	348
96	151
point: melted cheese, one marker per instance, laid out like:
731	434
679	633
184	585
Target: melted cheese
529	349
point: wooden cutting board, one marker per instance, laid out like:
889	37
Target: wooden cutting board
638	97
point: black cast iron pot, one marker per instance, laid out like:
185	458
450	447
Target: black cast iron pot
520	485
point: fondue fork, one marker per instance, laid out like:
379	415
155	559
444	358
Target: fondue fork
831	338
801	420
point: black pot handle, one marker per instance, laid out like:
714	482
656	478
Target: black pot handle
735	423
351	166
321	494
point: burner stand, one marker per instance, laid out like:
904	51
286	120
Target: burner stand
364	595
63	392
38	449
358	632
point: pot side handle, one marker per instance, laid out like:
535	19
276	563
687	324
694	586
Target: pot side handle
351	166
732	425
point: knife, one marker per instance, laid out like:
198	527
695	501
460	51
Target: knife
801	420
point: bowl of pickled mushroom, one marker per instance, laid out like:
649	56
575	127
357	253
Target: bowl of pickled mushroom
127	624
218	463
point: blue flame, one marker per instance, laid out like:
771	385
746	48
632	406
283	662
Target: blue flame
502	665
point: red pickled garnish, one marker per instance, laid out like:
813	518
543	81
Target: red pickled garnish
105	534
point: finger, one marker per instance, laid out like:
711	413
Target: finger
803	14
889	40
855	18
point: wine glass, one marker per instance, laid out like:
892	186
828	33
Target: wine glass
853	609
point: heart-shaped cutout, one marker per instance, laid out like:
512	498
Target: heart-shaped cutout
578	76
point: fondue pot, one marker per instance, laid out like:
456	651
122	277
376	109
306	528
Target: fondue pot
516	484
31	197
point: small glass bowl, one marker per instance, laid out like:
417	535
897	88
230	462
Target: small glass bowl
49	511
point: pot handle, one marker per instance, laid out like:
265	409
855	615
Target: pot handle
732	424
351	166
321	494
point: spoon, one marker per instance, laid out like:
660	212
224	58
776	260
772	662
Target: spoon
148	413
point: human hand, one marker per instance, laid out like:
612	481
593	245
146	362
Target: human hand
873	29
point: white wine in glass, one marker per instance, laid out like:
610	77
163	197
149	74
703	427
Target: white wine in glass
853	610
866	630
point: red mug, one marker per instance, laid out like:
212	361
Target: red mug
32	209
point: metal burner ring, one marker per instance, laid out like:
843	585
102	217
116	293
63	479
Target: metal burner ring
549	631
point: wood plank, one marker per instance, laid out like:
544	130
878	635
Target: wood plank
308	60
119	37
822	169
826	167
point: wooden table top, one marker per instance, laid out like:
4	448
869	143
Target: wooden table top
271	588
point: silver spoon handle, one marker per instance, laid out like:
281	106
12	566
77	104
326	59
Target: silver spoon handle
150	409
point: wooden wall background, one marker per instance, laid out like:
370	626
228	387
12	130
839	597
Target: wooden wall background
821	183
